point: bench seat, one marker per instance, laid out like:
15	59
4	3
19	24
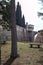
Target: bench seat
38	44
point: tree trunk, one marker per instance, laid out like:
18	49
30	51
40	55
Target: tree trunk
13	29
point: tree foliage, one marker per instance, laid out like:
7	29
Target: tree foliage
20	20
18	14
5	15
23	21
41	13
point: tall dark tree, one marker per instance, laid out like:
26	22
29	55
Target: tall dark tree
23	21
18	14
20	20
11	21
13	29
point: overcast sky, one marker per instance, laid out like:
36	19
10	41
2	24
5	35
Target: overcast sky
30	9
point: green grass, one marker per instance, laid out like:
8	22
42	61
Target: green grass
28	56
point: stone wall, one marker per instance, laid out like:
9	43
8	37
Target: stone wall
22	34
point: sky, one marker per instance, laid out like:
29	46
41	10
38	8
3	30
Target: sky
30	9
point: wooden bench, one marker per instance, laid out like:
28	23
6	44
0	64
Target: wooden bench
38	44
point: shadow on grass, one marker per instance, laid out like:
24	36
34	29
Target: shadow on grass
10	60
41	49
41	58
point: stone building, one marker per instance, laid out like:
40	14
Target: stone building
30	32
25	34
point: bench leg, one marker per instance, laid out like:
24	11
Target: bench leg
31	46
38	46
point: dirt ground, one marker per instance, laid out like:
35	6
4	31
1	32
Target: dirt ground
27	55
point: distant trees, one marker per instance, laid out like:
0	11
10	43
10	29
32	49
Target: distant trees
20	20
18	14
23	21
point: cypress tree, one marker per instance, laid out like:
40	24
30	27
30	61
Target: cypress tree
18	14
23	21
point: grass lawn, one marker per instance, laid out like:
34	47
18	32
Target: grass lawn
27	55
